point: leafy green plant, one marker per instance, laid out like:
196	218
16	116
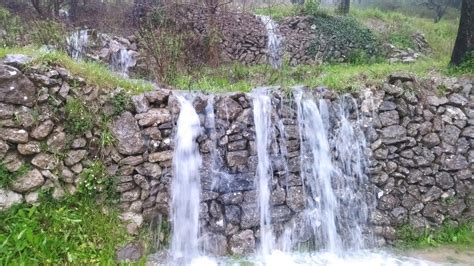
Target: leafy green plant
78	117
121	102
95	182
343	31
106	136
11	29
70	231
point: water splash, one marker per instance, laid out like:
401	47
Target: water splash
274	41
262	117
77	44
186	186
121	61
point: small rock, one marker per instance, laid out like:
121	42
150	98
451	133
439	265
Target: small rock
141	103
131	252
242	243
14	135
160	156
28	182
9	198
74	156
45	161
42	130
29	148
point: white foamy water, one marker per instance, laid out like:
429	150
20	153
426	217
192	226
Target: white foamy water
274	44
262	117
186	187
77	44
122	61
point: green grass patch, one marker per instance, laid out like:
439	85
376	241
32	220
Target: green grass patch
340	77
279	12
397	27
70	231
94	73
450	233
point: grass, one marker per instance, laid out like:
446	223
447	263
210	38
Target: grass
71	231
449	233
341	77
94	73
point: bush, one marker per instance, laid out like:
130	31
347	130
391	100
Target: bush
343	32
11	29
311	7
70	231
78	117
48	32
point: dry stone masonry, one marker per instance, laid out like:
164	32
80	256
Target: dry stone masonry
420	136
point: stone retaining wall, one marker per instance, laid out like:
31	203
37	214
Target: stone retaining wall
421	145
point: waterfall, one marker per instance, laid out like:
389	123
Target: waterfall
317	170
274	44
121	61
186	186
262	117
77	44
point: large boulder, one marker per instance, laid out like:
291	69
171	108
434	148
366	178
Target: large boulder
130	140
15	88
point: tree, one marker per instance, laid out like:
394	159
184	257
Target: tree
464	45
344	7
438	6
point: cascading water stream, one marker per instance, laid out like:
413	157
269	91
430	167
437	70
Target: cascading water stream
122	61
274	44
317	171
77	44
186	186
262	117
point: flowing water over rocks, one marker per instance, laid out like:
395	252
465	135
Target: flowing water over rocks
274	42
77	44
333	197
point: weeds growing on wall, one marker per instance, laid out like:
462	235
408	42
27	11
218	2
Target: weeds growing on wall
458	234
7	177
69	231
95	182
78	117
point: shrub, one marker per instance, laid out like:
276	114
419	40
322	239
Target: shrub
121	102
78	117
344	31
48	32
10	29
311	7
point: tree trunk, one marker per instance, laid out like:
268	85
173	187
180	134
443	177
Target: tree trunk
344	7
465	40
